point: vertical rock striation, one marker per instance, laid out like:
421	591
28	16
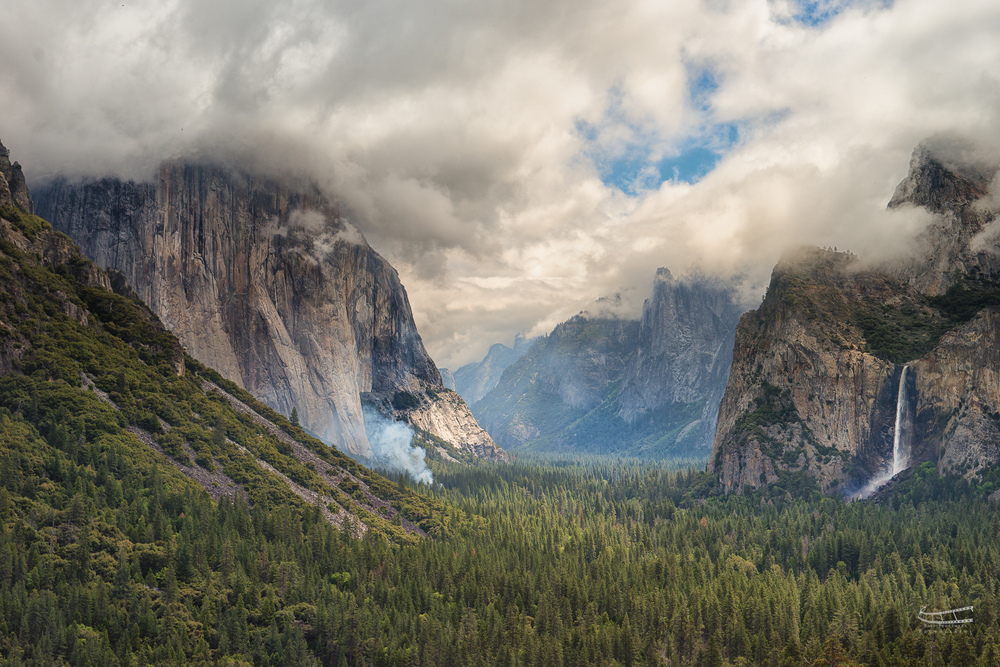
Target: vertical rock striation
958	397
683	353
262	280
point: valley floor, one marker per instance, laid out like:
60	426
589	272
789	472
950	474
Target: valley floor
544	563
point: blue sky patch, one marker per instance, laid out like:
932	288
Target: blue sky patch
702	83
817	13
634	168
633	158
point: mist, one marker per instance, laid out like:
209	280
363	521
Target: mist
393	448
512	161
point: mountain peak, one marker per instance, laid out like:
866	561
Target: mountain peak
951	178
262	279
947	172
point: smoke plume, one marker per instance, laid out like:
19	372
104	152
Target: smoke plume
393	448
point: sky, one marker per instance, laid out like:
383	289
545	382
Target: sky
517	160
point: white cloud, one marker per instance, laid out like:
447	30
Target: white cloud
451	131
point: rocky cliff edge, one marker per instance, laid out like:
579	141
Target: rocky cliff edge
817	372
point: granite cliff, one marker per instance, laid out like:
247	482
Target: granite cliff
603	384
950	178
264	281
817	389
683	353
98	378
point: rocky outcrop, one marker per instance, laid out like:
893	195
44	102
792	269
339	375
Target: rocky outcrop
444	415
958	397
13	187
818	368
602	384
262	280
447	417
950	180
805	393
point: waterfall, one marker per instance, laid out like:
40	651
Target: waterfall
901	432
900	440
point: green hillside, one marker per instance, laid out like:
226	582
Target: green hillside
113	445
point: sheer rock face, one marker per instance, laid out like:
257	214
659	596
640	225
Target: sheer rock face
958	397
264	282
808	392
803	394
684	350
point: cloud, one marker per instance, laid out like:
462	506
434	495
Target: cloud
314	235
483	147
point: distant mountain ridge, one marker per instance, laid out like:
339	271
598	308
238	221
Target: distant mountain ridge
475	380
600	384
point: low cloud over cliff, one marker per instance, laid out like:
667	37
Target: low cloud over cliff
518	160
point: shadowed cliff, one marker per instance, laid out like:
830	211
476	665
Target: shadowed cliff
814	391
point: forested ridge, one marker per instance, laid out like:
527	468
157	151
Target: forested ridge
114	552
585	565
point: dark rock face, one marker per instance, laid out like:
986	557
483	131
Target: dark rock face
13	188
610	385
962	239
262	280
817	369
